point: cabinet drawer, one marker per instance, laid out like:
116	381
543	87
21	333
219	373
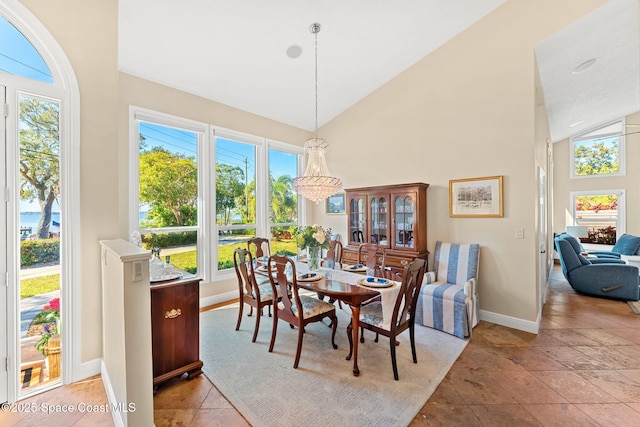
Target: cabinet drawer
350	257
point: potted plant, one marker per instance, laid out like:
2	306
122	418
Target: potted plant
49	342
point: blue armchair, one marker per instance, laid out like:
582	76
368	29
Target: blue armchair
601	256
607	278
580	249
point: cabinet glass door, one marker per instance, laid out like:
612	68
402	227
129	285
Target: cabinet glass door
357	219
379	221
404	208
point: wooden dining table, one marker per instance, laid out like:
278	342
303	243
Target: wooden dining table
343	286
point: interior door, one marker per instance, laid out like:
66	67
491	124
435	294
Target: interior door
4	375
543	272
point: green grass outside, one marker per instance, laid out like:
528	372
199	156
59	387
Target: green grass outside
185	261
39	285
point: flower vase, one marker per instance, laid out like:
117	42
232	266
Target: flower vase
313	259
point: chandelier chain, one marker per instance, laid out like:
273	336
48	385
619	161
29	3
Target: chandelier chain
317	30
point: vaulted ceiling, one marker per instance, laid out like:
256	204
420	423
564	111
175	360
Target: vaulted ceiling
239	53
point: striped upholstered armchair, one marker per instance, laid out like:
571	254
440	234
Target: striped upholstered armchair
448	300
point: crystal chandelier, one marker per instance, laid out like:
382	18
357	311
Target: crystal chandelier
317	183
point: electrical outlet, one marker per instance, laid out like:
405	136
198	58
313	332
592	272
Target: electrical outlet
519	233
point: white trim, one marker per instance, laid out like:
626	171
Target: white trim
511	322
621	222
65	88
218	299
592	134
119	418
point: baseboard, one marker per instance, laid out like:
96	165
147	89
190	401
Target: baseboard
511	322
86	370
218	298
119	418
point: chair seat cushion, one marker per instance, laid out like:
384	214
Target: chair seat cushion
372	314
312	306
445	291
266	291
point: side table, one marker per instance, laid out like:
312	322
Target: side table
175	329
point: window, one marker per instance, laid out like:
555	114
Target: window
601	212
283	206
168	192
236	190
186	183
599	152
19	57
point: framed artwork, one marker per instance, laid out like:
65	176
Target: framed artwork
335	204
476	197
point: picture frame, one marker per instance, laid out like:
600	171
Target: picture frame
336	204
476	197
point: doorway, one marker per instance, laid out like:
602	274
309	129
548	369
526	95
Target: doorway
39	146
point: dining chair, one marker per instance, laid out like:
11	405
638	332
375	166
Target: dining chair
368	255
295	309
403	316
333	257
259	247
251	292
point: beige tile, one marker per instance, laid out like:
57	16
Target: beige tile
438	415
526	388
488	358
445	394
181	393
215	400
560	415
219	418
479	387
504	415
615	383
610	414
532	359
173	417
574	388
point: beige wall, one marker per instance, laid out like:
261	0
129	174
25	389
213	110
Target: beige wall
465	111
87	32
563	185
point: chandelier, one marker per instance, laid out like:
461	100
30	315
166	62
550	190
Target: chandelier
317	183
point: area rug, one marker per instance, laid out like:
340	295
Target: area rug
266	389
635	306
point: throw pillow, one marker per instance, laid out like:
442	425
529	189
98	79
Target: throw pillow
627	245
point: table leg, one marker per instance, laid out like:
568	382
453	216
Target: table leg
355	321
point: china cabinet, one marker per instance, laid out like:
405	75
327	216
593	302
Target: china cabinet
394	217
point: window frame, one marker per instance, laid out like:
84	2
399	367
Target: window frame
621	222
207	248
593	134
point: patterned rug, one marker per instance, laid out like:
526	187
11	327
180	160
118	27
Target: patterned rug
635	306
266	389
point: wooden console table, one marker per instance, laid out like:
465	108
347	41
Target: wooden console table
175	329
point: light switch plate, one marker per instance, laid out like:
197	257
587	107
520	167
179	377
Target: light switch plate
519	233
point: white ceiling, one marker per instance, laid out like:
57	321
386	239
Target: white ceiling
606	91
234	52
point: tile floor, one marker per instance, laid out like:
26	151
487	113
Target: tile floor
582	369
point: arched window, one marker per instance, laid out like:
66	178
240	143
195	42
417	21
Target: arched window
19	57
